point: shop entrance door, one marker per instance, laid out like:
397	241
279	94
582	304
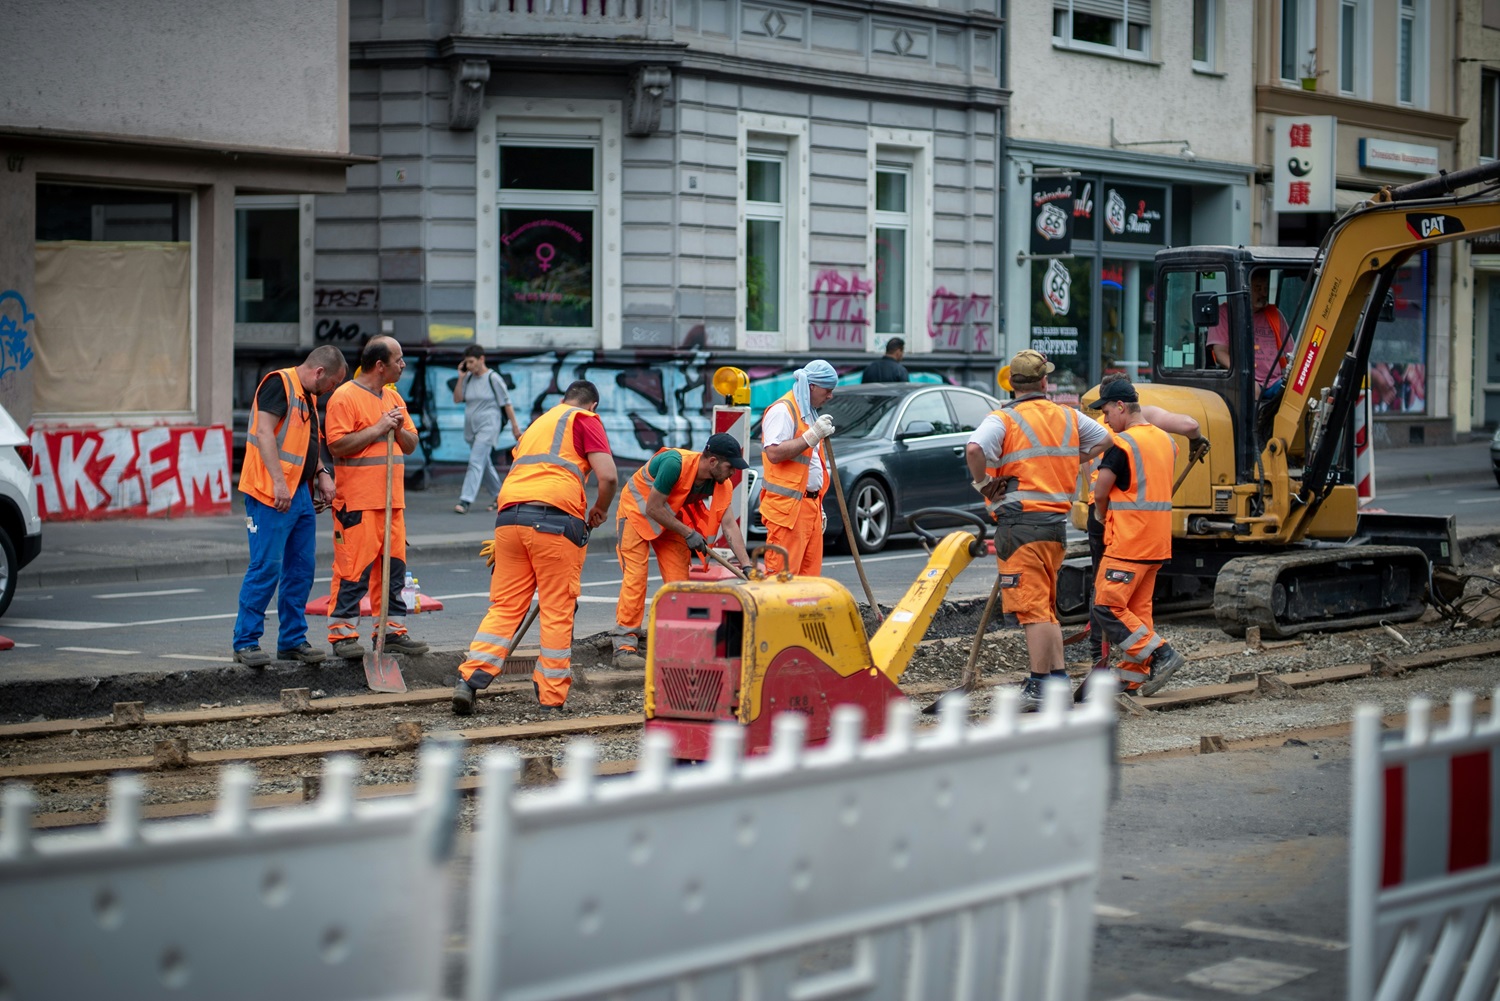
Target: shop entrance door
1490	369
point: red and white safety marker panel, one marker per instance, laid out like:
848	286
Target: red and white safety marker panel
736	421
1364	455
424	603
1424	883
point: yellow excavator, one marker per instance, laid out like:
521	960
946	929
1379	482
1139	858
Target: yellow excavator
745	650
1269	523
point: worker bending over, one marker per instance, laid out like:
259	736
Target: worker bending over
1169	421
361	414
1133	495
1024	460
795	472
541	538
673	505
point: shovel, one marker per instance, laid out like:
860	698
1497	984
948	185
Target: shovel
382	673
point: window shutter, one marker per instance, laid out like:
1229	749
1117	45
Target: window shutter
1139	10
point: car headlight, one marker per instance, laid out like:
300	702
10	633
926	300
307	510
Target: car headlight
1495	441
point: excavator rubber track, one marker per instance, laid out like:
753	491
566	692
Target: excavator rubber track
1320	589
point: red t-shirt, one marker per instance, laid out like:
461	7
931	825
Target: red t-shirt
588	434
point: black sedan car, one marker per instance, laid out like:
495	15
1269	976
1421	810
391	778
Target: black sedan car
899	448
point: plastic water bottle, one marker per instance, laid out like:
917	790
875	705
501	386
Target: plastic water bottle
409	593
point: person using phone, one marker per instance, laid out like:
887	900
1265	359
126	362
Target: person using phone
487	410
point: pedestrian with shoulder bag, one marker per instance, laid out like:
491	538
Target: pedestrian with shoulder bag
487	411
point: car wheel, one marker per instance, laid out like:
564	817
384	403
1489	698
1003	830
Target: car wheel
1497	477
9	567
870	510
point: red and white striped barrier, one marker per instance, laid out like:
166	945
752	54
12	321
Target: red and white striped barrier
1424	856
736	421
1364	455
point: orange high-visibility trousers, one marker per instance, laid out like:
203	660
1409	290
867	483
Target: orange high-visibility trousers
1028	581
529	562
1122	609
803	542
673	559
357	538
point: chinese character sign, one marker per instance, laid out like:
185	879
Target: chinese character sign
1305	154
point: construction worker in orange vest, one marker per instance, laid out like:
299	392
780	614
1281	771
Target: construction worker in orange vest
541	537
1133	495
1169	421
1024	460
673	505
361	413
283	466
795	474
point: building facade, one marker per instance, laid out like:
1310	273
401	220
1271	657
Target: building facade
127	133
1351	97
1476	339
637	193
1130	131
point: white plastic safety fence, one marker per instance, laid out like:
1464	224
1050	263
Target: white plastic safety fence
954	863
336	899
1424	883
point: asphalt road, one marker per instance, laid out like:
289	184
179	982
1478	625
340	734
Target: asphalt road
85	631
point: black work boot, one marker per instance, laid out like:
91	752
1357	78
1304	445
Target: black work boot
463	699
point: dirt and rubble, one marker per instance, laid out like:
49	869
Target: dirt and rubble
1213	658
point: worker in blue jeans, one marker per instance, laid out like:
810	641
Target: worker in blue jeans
284	465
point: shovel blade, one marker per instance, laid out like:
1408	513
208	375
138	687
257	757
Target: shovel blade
383	673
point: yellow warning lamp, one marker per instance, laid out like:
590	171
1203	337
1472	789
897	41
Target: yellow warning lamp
1002	378
734	385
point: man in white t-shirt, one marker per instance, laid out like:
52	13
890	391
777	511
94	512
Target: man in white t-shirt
794	470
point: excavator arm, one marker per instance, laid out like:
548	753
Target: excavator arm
1355	267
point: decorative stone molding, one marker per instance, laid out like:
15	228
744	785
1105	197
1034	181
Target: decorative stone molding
643	103
467	97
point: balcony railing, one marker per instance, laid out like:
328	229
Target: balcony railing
574	19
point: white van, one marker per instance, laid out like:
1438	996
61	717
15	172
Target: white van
20	527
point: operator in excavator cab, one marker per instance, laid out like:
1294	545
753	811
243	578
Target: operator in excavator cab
1024	460
1273	339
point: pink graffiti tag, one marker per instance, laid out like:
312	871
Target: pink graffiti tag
953	319
837	313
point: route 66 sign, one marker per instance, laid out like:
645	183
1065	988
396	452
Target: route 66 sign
1052	222
1057	288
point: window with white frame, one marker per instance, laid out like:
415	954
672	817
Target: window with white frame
1489	115
1298	40
1114	27
1354	48
548	236
1205	34
1411	52
765	241
892	249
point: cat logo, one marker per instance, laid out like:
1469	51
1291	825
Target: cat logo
1430	227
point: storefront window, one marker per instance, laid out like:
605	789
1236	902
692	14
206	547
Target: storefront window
548	201
1398	357
1126	319
267	286
1061	313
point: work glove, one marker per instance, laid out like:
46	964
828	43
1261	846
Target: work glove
821	428
696	543
488	552
980	485
1197	449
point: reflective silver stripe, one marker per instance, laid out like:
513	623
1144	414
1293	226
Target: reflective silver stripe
640	501
1140	484
802	458
1140	633
558	653
555	673
397	457
289	457
491	638
620	630
555	457
1037	495
1042	451
1026	429
1151	647
782	491
485	658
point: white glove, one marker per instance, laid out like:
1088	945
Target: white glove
979	485
821	428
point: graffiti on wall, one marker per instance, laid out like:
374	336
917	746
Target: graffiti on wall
15	331
325	297
156	472
960	322
837	309
335	330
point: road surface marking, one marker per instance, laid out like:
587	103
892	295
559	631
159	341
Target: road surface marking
151	594
598	599
1265	935
194	656
67	624
185	618
455	597
24	646
94	649
1477	500
1247	976
1106	911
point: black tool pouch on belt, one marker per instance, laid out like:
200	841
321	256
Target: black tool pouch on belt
547	520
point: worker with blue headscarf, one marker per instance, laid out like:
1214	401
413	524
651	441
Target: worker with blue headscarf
795	471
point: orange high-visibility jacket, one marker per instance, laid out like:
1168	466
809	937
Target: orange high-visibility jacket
785	484
703	519
292	433
1041	452
547	468
1139	523
359	479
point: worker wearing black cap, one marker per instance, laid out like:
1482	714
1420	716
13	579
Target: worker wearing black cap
674	505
